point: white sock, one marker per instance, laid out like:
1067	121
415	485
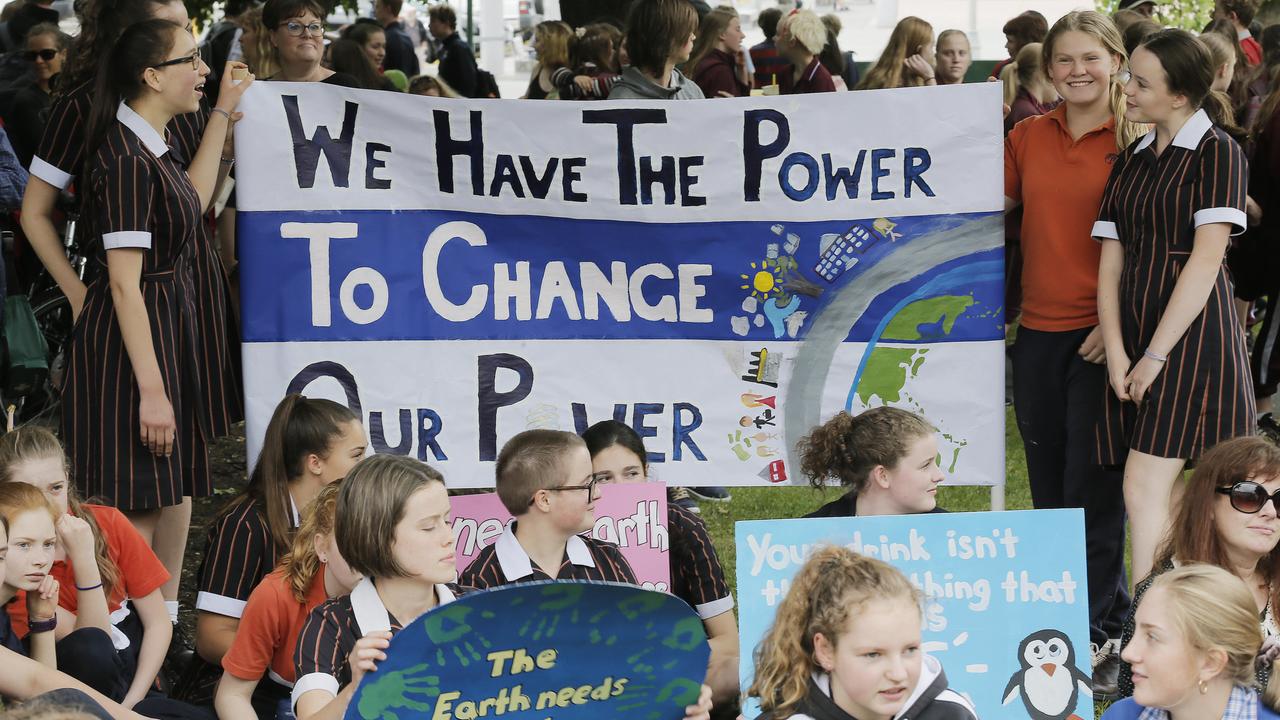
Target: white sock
172	607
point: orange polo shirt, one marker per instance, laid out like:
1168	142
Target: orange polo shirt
1059	182
141	572
269	629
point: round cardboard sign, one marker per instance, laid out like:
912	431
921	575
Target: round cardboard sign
544	651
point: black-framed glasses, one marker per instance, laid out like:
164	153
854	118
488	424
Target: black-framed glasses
590	487
297	29
1249	497
47	55
193	60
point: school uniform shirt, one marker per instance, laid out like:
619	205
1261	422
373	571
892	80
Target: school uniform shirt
718	72
696	574
332	629
60	158
1059	181
238	554
585	558
815	79
141	573
1152	206
269	629
142	199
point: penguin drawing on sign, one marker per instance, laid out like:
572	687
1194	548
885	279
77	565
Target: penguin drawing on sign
1048	679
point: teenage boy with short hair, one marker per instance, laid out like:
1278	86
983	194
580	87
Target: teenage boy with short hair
544	478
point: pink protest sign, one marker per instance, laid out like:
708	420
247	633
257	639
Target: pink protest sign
631	515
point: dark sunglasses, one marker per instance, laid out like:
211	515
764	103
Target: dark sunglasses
590	487
1248	496
46	55
193	60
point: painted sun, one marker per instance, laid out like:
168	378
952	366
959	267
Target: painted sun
764	280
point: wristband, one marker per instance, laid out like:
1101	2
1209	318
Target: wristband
40	626
223	113
91	587
227	161
1152	356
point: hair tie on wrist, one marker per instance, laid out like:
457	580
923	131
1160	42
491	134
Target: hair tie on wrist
91	587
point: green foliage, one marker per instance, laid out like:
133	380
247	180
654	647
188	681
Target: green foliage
1186	14
206	12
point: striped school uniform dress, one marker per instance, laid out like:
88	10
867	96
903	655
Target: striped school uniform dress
141	198
1153	205
60	158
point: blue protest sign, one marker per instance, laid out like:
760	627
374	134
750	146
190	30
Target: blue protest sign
550	651
1006	607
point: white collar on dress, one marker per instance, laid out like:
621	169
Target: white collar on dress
1188	137
515	562
147	134
372	615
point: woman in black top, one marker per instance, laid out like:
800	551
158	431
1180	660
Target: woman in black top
1176	354
297	33
46	50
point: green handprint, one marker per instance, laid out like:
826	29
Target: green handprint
686	635
635	606
447	623
558	596
384	693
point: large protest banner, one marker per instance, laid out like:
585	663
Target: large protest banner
1005	611
720	275
632	516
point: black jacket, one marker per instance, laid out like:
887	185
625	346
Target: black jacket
847	506
458	65
930	700
400	51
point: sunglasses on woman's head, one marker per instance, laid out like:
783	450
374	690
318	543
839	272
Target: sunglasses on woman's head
1248	496
46	55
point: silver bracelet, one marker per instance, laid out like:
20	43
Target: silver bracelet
1152	356
223	113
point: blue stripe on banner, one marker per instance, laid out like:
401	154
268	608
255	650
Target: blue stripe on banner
426	275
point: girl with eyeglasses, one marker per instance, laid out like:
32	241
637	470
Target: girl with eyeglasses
158	503
1227	517
132	397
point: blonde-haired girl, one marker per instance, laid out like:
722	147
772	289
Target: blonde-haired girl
1056	168
312	572
110	579
846	642
907	61
1195	649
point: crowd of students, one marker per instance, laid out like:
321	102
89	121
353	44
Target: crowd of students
1138	168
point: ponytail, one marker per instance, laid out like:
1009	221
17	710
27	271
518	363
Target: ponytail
140	46
847	448
1218	107
299	427
101	24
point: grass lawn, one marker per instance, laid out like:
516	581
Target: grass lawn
791	502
